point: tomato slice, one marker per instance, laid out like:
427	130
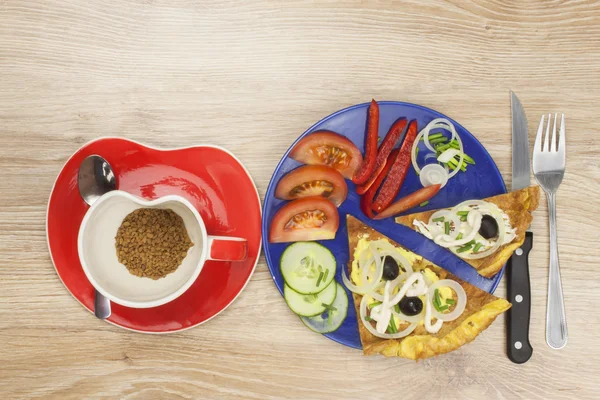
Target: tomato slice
306	219
313	180
330	149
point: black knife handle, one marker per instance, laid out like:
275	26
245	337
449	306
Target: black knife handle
519	349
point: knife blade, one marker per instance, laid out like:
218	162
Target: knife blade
519	349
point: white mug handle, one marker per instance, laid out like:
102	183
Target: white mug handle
226	248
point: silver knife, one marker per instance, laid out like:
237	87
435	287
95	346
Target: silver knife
519	349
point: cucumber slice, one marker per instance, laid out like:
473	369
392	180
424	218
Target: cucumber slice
307	267
332	319
308	305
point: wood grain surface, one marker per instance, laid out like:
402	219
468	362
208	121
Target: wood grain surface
251	76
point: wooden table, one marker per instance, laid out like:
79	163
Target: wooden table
252	76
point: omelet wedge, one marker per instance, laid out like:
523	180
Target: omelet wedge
481	310
518	205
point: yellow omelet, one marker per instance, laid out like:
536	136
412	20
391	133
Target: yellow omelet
517	205
481	309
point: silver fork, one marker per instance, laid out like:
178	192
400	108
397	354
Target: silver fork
549	168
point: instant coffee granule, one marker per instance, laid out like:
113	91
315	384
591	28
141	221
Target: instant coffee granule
152	242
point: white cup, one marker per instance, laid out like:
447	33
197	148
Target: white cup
97	250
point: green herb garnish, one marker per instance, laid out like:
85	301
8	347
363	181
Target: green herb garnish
437	303
374	304
440	148
468	159
466	247
439	219
447	227
450	301
435	136
477	247
392	327
367	318
438	140
442	308
319	279
459	236
423	204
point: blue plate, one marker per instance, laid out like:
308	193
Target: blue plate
479	181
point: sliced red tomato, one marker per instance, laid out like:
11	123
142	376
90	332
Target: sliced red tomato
313	180
410	201
330	149
306	219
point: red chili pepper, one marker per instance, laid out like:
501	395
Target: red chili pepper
393	183
410	201
366	201
368	165
384	151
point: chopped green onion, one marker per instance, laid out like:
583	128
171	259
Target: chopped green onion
416	152
442	147
477	247
374	304
459	236
423	204
367	318
447	227
438	140
329	307
450	301
462	213
397	308
437	300
439	219
320	277
468	159
392	327
442	308
454	145
326	275
466	247
435	136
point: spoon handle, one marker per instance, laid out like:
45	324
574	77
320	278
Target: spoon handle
101	306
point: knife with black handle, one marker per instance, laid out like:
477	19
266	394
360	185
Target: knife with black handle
519	349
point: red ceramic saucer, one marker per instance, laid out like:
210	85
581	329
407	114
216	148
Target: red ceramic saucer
211	178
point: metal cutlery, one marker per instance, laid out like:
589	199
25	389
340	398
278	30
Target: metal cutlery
519	349
549	169
94	179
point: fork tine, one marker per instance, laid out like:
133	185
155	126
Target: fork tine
538	138
546	137
561	143
553	142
